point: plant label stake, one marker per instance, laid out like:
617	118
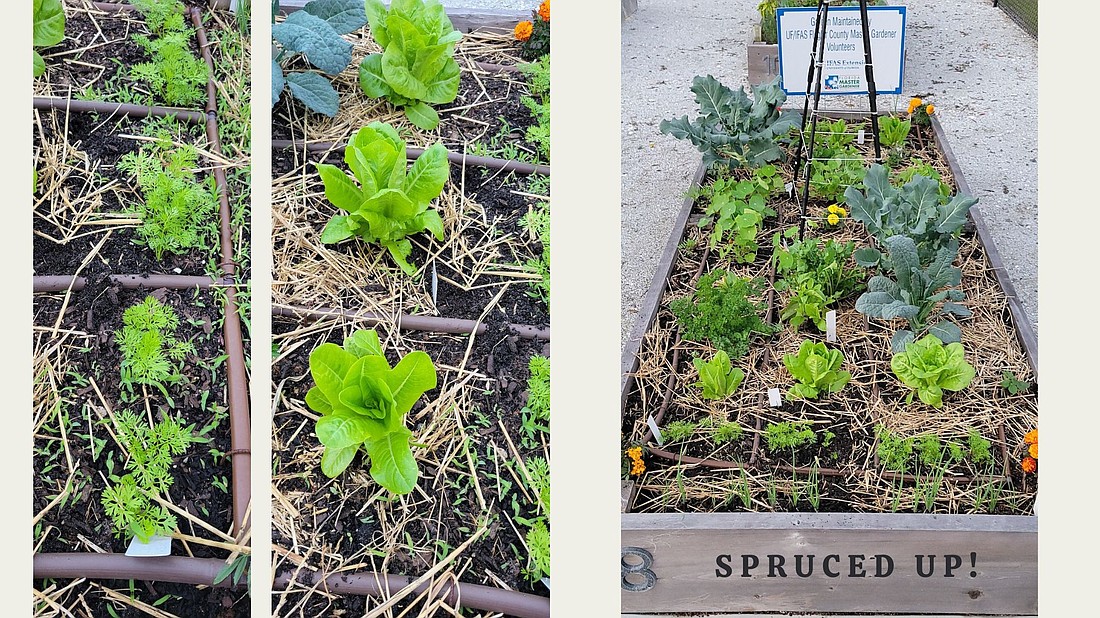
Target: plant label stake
830	326
157	546
859	137
656	431
774	398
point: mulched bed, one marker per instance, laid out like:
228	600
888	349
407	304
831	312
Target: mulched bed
872	398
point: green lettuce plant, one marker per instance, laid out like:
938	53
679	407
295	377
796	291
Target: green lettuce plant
314	33
734	130
808	303
929	367
417	67
49	29
916	294
717	377
389	203
914	210
817	369
893	131
363	403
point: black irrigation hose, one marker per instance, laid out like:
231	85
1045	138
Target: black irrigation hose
455	594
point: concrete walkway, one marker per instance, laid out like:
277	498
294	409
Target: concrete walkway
967	57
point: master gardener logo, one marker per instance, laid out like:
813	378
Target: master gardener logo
842	82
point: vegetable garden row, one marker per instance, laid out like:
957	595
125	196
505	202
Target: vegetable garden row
141	310
411	299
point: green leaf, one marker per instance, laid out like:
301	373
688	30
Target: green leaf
953	214
412	377
342	429
345	16
314	91
335	460
376	16
278	82
392	463
429	220
49	23
339	189
336	230
316	39
427	175
364	343
317	401
39	64
328	365
422	115
371	80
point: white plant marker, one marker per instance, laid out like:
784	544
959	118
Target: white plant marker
774	398
435	284
656	431
859	137
830	326
157	546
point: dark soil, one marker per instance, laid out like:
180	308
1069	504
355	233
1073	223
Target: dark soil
99	137
497	353
200	398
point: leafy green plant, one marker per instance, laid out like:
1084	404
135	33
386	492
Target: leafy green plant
388	204
679	431
930	367
914	210
536	222
314	33
789	435
538	546
538	387
49	29
893	451
178	212
538	103
363	402
906	174
929	449
734	130
736	210
418	65
807	302
817	369
979	447
916	294
722	312
717	377
832	178
127	502
893	131
1014	385
151	353
175	74
826	264
726	431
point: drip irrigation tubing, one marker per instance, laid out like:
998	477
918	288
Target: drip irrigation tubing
473	596
61	283
90	565
490	67
125	109
236	369
426	323
411	153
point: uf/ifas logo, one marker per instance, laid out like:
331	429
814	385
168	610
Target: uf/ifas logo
831	82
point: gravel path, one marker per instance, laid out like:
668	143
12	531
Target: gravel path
967	57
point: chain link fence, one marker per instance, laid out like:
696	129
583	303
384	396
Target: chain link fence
1023	12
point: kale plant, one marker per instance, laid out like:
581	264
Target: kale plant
734	130
314	33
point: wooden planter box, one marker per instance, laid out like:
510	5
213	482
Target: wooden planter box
827	562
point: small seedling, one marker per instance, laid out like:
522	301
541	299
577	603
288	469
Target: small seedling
1013	385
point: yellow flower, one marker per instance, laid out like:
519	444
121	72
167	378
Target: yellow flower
833	219
544	10
523	30
833	208
842	212
914	102
1033	450
930	109
638	464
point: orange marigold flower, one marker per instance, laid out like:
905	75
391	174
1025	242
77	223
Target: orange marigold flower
1029	465
638	464
523	30
1031	437
931	109
914	102
1033	450
544	10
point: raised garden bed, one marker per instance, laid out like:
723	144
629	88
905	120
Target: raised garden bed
459	538
702	504
103	386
